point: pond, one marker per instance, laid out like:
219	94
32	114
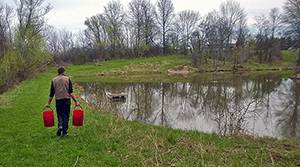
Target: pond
260	106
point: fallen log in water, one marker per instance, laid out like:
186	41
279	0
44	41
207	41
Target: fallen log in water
116	96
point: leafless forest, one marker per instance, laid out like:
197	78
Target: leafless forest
144	29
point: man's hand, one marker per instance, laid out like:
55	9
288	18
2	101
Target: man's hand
49	101
74	98
77	103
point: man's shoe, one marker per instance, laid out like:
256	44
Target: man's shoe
64	134
58	132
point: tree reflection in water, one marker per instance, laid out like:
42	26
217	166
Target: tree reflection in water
264	106
289	114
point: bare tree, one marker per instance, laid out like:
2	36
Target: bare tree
187	22
267	45
212	29
96	29
52	39
232	19
6	14
232	15
241	32
136	20
114	15
82	40
31	19
292	19
96	34
164	19
66	40
129	37
275	18
141	16
242	35
149	22
31	14
262	36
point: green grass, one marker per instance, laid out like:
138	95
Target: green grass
160	64
137	70
288	61
289	56
107	140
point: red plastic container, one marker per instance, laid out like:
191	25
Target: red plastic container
78	116
48	117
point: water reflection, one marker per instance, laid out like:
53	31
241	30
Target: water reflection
264	106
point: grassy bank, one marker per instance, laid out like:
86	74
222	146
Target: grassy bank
107	140
135	70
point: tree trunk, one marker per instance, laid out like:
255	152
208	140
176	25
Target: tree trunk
298	60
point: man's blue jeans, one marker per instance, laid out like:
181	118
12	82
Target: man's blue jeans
63	113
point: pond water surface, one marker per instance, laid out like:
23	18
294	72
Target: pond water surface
263	106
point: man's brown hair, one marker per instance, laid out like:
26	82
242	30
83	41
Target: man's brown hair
61	70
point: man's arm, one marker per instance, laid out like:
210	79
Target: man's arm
71	93
52	92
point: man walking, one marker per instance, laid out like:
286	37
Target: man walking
61	87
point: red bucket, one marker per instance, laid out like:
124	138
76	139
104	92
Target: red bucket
48	117
78	116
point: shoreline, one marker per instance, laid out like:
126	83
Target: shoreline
108	140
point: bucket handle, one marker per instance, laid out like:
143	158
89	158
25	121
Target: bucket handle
47	107
78	106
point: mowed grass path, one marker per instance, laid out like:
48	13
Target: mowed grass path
106	140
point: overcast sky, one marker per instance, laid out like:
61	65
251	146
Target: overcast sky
70	14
